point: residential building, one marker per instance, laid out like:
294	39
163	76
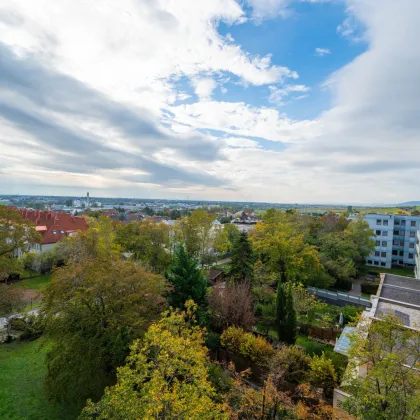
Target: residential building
53	227
396	295
417	269
396	237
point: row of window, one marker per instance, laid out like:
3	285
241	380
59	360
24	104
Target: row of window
397	222
396	232
382	254
376	263
384	233
379	243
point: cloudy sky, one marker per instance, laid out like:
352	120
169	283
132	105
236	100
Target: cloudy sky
253	100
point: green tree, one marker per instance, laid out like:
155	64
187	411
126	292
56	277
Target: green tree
148	241
322	374
290	321
94	309
242	264
165	377
279	240
281	310
197	235
390	354
361	235
16	234
187	280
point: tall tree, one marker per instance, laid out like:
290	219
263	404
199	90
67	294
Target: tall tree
280	241
187	280
390	354
94	309
281	310
165	377
16	233
242	264
148	241
290	321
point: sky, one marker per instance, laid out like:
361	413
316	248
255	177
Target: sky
288	101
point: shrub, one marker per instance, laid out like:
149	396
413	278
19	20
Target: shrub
369	288
31	327
343	284
213	340
322	374
293	361
256	349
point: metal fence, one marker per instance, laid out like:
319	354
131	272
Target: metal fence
340	297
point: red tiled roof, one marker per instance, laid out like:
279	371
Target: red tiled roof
54	226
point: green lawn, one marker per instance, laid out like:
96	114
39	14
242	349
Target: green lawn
22	375
398	271
36	283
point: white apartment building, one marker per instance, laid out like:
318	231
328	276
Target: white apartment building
396	237
417	269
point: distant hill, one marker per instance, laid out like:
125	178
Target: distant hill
410	203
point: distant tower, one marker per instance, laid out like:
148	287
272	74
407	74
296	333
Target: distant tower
87	200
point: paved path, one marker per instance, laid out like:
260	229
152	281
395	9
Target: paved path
356	289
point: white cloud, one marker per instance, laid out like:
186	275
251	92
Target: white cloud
322	51
268	9
277	95
241	143
204	87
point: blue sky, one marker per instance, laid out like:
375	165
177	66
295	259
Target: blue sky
260	100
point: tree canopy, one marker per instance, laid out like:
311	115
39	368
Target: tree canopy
165	377
16	233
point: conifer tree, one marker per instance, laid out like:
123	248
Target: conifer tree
187	280
242	264
280	310
290	322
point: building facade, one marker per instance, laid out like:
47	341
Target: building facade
396	237
417	269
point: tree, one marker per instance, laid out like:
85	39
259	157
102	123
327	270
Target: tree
10	299
16	234
281	310
278	239
165	377
94	309
232	305
187	280
148	241
196	231
359	232
242	264
290	321
390	390
322	374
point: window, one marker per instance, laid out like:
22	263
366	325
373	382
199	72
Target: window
385	233
384	243
54	232
401	243
396	232
397	223
61	231
402	222
383	254
377	253
377	243
402	233
376	262
401	253
383	264
378	232
395	242
411	256
413	223
412	245
395	252
412	234
385	222
369	261
379	222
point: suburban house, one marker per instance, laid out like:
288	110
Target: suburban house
53	227
397	295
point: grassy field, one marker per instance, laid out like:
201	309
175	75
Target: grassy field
35	283
22	375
